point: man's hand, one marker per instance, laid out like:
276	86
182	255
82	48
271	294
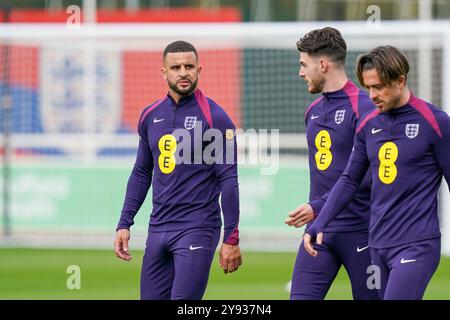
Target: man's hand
121	244
230	257
307	243
300	216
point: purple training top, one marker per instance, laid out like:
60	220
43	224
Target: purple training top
331	123
185	195
406	151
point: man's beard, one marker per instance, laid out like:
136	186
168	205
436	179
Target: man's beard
183	92
317	85
390	105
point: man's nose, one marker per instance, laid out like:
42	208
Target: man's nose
301	73
182	71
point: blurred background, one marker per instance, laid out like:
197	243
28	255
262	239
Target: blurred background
74	78
261	10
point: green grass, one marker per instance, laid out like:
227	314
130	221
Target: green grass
41	274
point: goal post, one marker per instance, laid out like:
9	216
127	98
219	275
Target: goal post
77	95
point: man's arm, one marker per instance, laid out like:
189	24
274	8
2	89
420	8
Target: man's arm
227	175
306	213
301	215
137	188
341	194
442	147
230	256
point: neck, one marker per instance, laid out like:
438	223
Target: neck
175	96
335	80
404	98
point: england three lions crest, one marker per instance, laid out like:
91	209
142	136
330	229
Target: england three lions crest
68	105
412	130
189	122
339	116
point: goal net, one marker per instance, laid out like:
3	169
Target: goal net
71	99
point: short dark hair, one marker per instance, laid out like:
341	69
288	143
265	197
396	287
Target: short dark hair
327	41
179	46
388	61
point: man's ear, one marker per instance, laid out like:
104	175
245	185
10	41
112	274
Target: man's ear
323	65
199	70
402	81
163	73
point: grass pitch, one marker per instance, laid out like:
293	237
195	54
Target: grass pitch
42	274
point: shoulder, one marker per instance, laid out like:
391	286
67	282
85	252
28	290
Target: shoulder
441	116
147	110
314	103
365	104
443	121
216	110
220	117
435	117
212	112
366	118
359	99
143	119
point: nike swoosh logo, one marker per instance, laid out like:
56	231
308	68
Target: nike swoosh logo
194	248
314	117
407	261
157	120
358	249
375	131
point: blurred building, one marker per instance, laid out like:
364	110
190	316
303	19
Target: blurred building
272	10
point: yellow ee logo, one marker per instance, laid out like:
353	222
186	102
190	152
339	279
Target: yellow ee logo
388	154
323	155
167	145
